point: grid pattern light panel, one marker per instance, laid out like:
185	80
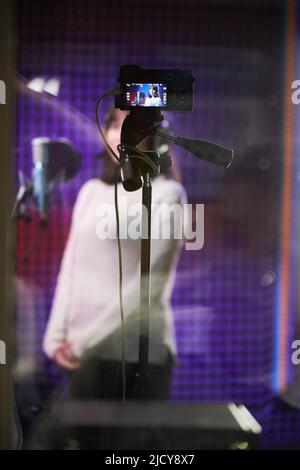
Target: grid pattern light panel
224	295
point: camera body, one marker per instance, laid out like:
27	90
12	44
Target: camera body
171	90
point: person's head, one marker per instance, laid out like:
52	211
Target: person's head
113	124
155	92
142	98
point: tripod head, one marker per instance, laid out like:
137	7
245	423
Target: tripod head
139	124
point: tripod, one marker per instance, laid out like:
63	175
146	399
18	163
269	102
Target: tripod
137	169
137	172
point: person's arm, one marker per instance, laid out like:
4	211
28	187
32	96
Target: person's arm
55	335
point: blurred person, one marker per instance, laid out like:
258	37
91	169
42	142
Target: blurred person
142	98
84	329
153	99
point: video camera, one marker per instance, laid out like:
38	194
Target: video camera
171	90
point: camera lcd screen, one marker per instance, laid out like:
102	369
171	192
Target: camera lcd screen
148	95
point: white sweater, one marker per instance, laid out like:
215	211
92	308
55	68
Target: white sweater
86	309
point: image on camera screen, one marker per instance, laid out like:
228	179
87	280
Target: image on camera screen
146	94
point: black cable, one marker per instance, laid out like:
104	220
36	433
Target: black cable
120	286
141	156
111	152
117	159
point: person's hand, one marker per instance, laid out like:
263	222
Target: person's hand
64	357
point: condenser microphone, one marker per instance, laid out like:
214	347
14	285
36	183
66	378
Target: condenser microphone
40	175
53	161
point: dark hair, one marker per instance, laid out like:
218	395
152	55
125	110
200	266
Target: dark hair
109	117
155	90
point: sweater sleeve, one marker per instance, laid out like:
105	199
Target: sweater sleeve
164	253
56	328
